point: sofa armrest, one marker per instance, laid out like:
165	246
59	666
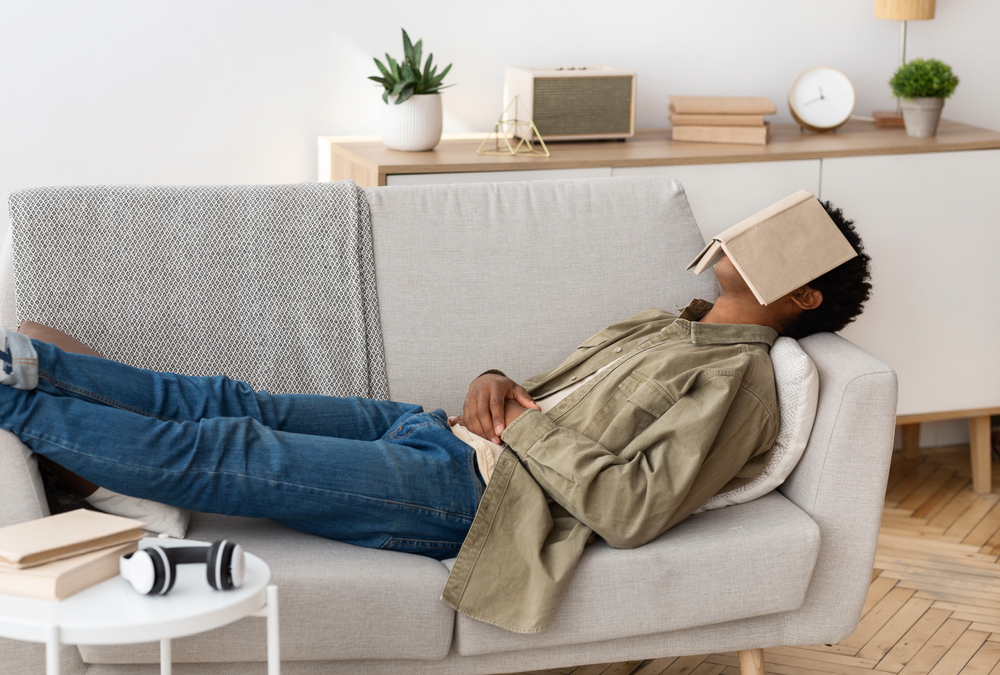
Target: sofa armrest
22	497
840	482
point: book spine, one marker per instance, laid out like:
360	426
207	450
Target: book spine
722	105
743	135
717	120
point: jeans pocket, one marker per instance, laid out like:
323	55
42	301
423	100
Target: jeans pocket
441	550
415	422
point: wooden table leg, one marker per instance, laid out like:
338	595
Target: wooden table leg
979	451
911	440
751	661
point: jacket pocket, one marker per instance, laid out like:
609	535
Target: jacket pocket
596	340
642	391
636	403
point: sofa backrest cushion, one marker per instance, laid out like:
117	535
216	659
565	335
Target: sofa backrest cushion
515	275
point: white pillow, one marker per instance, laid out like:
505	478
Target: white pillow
797	383
159	518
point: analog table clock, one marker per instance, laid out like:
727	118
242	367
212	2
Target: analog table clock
821	99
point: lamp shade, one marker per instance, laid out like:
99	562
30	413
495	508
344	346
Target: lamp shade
904	10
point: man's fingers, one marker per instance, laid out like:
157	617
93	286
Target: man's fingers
485	415
521	396
497	399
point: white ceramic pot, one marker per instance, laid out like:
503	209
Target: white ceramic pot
921	115
414	124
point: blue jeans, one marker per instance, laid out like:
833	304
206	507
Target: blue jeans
372	473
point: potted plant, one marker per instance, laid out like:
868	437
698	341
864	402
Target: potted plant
923	85
412	117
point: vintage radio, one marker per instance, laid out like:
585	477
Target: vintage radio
573	103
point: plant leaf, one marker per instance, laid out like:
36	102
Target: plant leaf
399	88
385	96
418	53
382	69
427	67
384	81
409	74
393	66
407	48
406	92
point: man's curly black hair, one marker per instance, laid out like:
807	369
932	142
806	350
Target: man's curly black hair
845	288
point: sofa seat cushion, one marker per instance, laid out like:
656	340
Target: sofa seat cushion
743	561
336	601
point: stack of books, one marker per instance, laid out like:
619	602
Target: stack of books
721	119
55	557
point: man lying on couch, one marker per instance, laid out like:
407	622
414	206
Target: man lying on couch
630	435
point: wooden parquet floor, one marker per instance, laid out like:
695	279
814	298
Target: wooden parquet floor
934	603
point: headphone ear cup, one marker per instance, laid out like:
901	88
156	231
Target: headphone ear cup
163	571
237	566
226	566
139	570
213	563
172	573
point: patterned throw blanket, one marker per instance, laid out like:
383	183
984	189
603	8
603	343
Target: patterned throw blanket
270	284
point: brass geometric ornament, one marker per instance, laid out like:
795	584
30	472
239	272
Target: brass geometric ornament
507	129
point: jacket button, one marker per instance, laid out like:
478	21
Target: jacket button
617	349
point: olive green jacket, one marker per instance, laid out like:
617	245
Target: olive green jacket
689	410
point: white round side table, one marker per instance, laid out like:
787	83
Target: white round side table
113	613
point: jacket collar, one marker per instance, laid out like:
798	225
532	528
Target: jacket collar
722	333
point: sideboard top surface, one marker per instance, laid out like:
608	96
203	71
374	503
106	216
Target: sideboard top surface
653	147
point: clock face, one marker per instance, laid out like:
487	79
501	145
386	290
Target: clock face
821	97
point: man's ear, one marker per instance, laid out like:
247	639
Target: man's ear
806	297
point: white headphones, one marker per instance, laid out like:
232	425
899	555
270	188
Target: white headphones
153	570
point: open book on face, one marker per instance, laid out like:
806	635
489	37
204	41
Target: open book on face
781	248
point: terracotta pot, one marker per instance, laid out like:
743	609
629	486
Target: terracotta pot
413	125
921	115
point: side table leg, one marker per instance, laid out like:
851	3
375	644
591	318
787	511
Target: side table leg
979	450
52	651
273	641
166	660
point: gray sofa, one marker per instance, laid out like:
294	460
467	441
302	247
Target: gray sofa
514	276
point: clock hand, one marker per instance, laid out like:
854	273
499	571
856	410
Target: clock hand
813	101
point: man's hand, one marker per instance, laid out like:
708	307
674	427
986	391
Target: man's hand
493	402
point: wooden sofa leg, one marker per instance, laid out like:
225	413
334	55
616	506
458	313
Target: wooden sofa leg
751	661
979	450
911	440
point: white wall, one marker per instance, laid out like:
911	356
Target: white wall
236	91
231	91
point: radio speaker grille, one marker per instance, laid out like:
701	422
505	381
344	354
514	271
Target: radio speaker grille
582	105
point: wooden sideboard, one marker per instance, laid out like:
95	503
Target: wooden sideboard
925	208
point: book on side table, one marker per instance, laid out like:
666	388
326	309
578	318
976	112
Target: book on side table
721	119
62	578
60	555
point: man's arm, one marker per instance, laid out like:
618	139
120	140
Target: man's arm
683	458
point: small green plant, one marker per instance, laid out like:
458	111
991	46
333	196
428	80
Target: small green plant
920	77
405	79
